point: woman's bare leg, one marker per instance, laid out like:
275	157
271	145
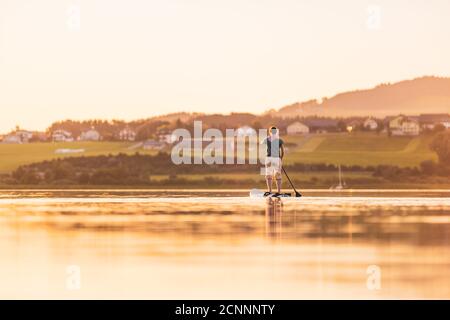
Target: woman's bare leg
279	184
269	183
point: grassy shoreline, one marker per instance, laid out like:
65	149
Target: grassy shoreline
401	155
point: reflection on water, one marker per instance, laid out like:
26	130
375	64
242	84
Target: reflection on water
274	214
221	244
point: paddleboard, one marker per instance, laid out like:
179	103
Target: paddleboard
256	193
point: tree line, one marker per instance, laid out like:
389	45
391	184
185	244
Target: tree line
153	127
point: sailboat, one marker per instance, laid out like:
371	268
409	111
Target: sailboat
342	184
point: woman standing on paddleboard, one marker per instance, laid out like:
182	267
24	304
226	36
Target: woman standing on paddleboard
274	157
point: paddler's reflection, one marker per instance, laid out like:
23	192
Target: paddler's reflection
274	213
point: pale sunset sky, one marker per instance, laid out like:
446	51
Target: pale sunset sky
130	59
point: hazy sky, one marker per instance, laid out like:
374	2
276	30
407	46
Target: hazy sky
136	58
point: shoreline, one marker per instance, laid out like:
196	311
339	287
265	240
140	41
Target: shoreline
430	188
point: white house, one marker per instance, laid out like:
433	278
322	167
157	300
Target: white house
396	123
12	138
246	131
62	136
24	135
430	121
404	126
127	134
18	136
297	128
90	135
370	124
410	128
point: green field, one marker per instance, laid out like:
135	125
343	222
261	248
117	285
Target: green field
347	149
14	155
359	149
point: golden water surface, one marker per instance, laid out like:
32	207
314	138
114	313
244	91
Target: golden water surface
222	244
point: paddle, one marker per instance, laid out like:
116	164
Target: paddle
297	194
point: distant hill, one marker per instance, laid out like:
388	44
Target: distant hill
172	117
421	95
411	97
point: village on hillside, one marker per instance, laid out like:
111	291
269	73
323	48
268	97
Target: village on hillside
155	135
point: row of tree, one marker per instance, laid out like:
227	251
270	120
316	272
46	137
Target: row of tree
153	127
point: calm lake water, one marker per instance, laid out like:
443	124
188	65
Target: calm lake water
222	244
